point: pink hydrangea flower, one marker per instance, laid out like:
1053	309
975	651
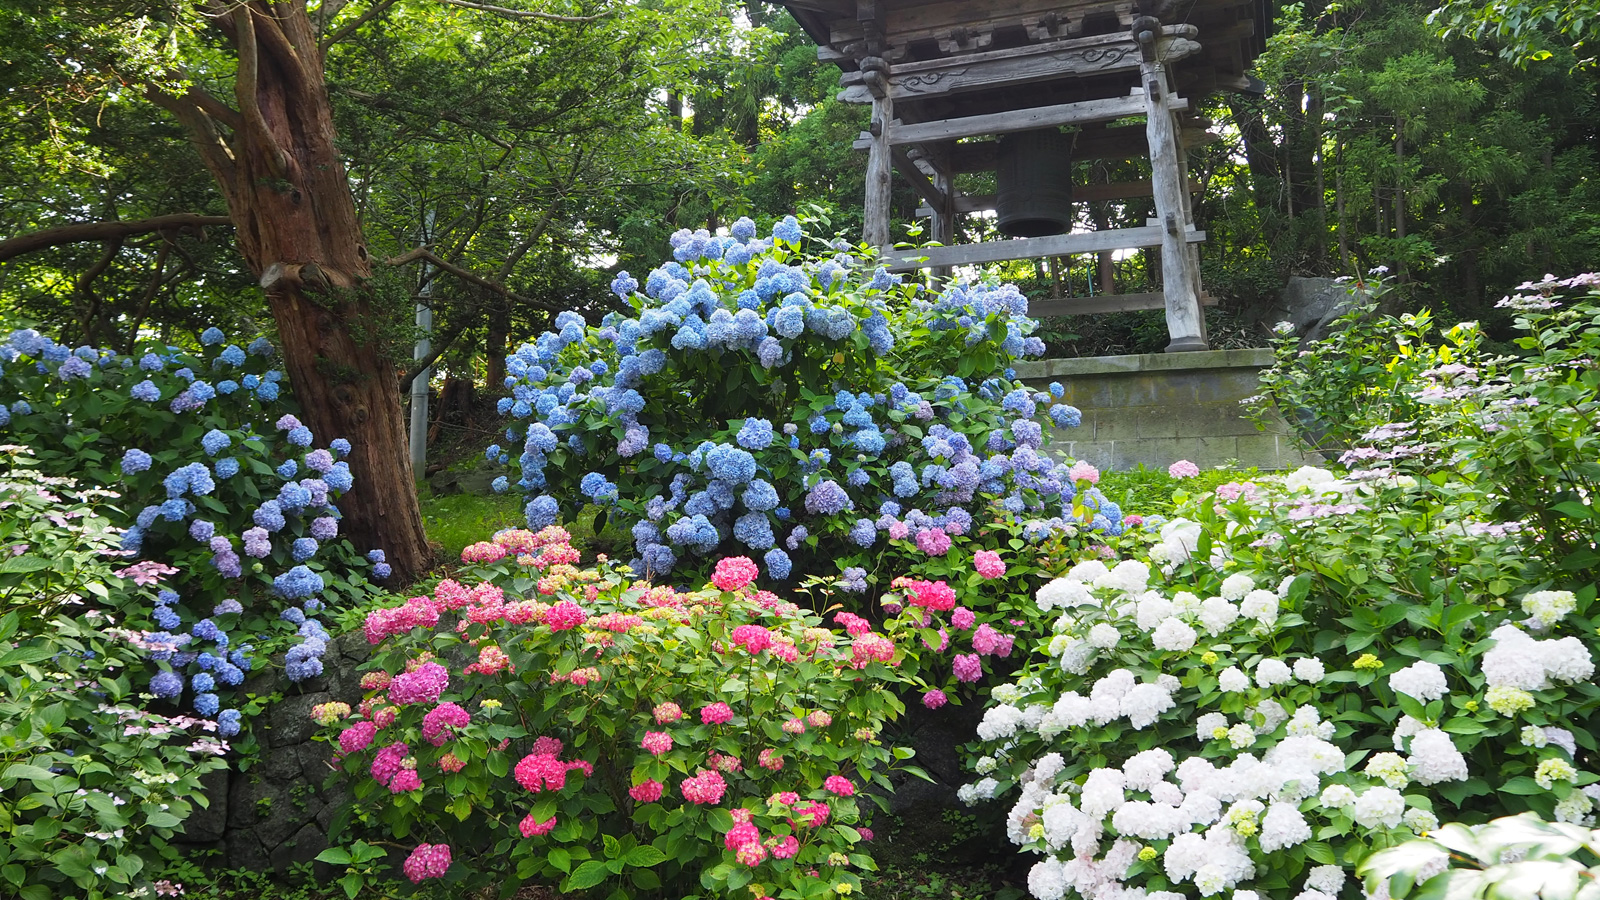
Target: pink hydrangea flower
1183	469
988	564
424	685
967	667
707	787
388	762
491	661
986	640
934	699
385	717
657	742
810	815
451	763
962	618
357	737
932	595
451	594
753	638
417	612
716	714
820	719
866	833
741	834
427	861
483	552
794	726
751	854
838	784
565	616
647	791
933	541
784	848
1082	471
547	746
770	759
741	815
734	572
540	771
375	681
531	827
852	623
405	780
440	723
870	648
667	713
899	530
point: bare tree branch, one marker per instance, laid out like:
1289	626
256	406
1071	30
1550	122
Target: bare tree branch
85	288
424	254
208	142
505	13
377	9
211	106
102	231
244	90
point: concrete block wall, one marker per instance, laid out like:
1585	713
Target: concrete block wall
1157	408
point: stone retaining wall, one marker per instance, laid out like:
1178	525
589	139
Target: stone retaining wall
1157	408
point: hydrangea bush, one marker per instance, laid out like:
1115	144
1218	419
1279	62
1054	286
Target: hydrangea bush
224	498
92	787
537	721
806	411
1300	671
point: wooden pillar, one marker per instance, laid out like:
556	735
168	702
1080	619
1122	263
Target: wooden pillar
1180	279
944	216
880	159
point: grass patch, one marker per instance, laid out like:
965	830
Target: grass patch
456	520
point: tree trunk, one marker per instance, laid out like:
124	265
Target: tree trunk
297	229
1260	152
495	343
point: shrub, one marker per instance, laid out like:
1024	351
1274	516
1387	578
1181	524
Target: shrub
1518	856
221	490
610	734
92	788
1304	670
796	408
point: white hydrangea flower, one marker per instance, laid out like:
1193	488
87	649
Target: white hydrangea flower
1216	614
1064	593
1271	672
1059	644
1546	608
1166	792
999	722
1553	769
1514	661
1389	768
1045	880
1209	880
1173	636
1435	862
1144	769
1129	576
1313	895
1151	610
1328	879
1241	736
1061	822
1233	681
1272	715
984	765
1575	808
1336	796
1006	693
1435	759
1075	658
1283	587
1181	535
1310	669
1185	603
1104	636
1421	821
1071	709
1405	728
1422	681
1379	807
1145	703
1048	767
1567	660
1087	571
1235	586
1206	726
1148	821
1102	793
1533	736
1283	826
1246	895
1262	606
1309	479
1307	721
1562	738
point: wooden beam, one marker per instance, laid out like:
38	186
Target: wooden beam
1084	193
924	186
1127	142
1027	248
1104	303
1083	111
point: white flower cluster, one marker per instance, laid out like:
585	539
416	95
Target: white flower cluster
1423	681
1521	662
1546	608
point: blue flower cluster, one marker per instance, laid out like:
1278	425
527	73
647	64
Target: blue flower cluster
738	333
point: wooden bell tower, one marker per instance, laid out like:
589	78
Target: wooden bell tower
945	76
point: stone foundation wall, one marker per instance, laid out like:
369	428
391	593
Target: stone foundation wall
1158	408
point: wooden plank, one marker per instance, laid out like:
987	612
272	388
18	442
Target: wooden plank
1028	248
1105	110
905	23
1084	193
1103	303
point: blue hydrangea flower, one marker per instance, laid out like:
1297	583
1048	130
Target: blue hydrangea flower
755	434
787	230
269	516
828	498
731	464
500	484
75	368
304	548
215	441
203	682
232	355
743	229
207	705
151	363
381	571
135	461
778	564
542	511
298	583
300	436
753	530
340	446
212	336
226	468
267	391
166	685
288	470
21	408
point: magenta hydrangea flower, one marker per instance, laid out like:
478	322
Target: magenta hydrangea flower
647	791
405	780
388	762
357	737
988	564
440	723
838	784
565	615
421	686
656	742
933	541
986	640
741	834
934	699
427	861
967	667
752	638
707	787
541	771
734	572
962	618
716	714
532	827
668	712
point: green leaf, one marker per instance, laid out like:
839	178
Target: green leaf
1572	509
645	856
1521	785
336	855
561	859
588	875
351	884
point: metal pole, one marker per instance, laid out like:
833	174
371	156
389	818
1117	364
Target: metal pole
419	384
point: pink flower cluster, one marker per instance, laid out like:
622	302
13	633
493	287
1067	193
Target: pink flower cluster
933	595
656	742
427	861
716	714
934	699
388	762
565	616
357	737
531	827
620	623
771	759
1183	469
424	685
491	661
647	791
556	555
838	784
753	638
542	771
933	541
810	815
146	572
440	723
451	594
1082	471
870	648
1233	490
988	564
483	552
417	612
962	618
967	667
667	712
853	624
706	787
988	641
734	572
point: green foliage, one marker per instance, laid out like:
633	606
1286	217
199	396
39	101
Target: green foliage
93	788
456	520
583	693
1518	856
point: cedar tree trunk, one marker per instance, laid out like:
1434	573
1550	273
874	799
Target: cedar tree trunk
297	229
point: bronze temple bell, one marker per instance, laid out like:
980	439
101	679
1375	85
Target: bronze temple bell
1033	183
